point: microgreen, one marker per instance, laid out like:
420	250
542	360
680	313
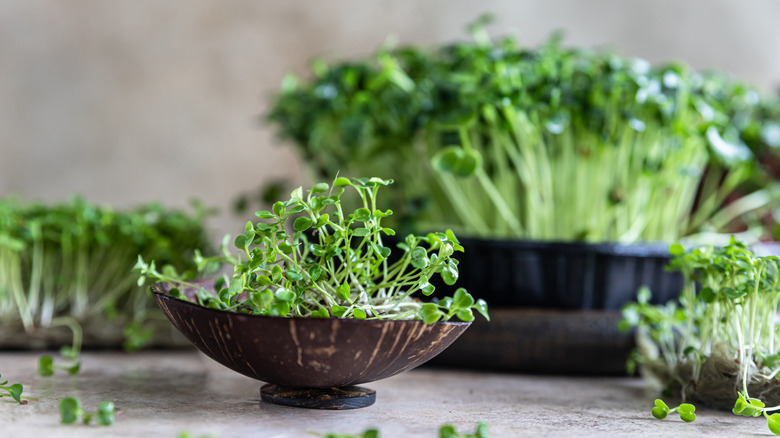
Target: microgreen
685	410
494	139
719	337
13	390
445	431
71	410
68	265
310	257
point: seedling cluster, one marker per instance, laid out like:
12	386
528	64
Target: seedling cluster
309	257
13	390
717	344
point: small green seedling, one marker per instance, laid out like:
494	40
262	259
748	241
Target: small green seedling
14	390
449	431
46	367
70	411
368	433
686	411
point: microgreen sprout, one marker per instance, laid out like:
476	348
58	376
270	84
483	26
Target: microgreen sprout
46	367
368	433
686	411
309	257
70	412
449	431
13	390
719	337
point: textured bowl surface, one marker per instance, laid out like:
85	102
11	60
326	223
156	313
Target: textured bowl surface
308	352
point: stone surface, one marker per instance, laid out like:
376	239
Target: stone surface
162	394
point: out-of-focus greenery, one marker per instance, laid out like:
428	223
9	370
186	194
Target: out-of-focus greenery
71	263
494	139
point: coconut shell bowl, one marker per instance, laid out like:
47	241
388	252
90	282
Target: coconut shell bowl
308	362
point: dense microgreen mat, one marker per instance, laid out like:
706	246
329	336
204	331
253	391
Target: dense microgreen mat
70	264
490	138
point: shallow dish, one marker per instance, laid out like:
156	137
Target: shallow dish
308	352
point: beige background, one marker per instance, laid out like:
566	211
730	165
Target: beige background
135	101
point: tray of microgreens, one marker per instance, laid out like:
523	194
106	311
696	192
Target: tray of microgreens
68	267
497	140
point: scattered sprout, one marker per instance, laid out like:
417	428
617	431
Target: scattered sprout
70	412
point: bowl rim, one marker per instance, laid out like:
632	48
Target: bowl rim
156	291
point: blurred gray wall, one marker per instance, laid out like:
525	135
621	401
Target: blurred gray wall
146	100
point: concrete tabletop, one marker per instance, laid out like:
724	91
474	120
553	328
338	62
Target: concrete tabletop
163	394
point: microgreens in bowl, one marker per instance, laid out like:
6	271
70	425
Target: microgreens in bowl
716	345
309	257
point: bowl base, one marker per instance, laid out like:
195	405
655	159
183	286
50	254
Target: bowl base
347	397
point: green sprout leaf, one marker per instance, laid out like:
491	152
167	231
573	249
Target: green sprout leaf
70	409
45	366
105	414
773	421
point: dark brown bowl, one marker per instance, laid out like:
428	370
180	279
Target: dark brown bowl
308	352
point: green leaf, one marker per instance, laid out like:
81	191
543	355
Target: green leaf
320	313
320	188
45	366
430	313
362	214
773	421
264	214
315	271
262	299
302	223
462	299
15	391
342	292
688	417
465	315
361	232
341	181
371	433
105	413
482	308
449	274
426	287
457	161
687	408
448	431
285	248
676	249
293	275
74	369
338	311
420	258
284	295
69	408
359	314
279	208
482	431
660	413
